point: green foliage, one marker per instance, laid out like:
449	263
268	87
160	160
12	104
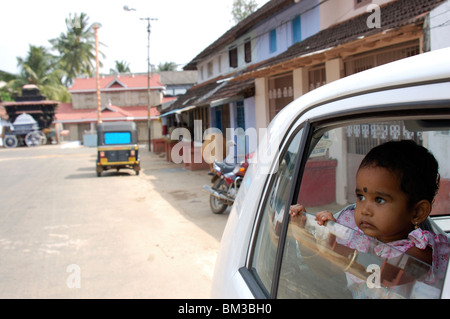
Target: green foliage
52	74
76	48
121	67
167	66
242	9
38	68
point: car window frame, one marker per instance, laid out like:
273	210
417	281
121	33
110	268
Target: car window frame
311	125
327	122
254	284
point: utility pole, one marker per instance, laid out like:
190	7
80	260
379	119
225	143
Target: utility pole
96	26
149	70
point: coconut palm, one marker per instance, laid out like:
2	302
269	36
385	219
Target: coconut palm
76	48
38	68
167	66
121	67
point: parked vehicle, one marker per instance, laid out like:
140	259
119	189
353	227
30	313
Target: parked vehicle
117	147
316	144
226	181
24	131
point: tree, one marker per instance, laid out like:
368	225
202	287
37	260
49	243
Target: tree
76	48
5	94
167	66
38	68
242	9
121	67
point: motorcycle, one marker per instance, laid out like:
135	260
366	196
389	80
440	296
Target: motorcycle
226	181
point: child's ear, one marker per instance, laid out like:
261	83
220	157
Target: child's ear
421	211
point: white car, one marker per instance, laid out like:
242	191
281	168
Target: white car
312	151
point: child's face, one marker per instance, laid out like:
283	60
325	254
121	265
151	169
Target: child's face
382	207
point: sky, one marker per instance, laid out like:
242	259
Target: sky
182	30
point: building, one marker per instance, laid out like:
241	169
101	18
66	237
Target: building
123	98
290	47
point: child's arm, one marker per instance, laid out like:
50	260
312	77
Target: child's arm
321	217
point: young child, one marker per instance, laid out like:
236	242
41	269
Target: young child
395	187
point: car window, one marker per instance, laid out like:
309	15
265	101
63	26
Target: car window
324	262
272	214
317	261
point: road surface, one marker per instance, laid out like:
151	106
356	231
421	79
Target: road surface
66	233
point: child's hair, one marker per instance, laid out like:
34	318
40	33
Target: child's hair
415	166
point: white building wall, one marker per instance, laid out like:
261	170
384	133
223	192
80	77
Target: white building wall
260	39
440	26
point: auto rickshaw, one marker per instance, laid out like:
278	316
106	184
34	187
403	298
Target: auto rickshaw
117	147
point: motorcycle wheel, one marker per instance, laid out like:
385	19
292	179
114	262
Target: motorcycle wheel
218	206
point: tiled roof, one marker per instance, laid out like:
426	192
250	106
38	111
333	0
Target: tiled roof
67	114
244	88
213	90
269	9
125	82
393	15
195	95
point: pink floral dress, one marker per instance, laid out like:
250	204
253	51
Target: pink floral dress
418	238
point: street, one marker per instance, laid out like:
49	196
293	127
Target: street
66	233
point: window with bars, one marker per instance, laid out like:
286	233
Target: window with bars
365	61
280	93
317	77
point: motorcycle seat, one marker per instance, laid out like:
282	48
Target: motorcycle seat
225	167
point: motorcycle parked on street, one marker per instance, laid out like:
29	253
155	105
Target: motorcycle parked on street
226	181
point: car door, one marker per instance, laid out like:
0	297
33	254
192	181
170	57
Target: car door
316	167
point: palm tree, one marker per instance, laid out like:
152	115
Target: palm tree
76	48
38	68
121	67
167	66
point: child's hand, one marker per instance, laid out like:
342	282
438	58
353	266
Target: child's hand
294	210
296	214
323	217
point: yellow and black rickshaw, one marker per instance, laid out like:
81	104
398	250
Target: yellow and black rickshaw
117	147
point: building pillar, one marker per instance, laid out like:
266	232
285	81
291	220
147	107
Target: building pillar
334	70
300	82
261	103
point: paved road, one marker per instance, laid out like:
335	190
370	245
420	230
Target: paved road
65	233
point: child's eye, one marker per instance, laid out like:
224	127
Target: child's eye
360	197
380	200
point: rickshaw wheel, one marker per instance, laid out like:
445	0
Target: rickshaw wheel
11	141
